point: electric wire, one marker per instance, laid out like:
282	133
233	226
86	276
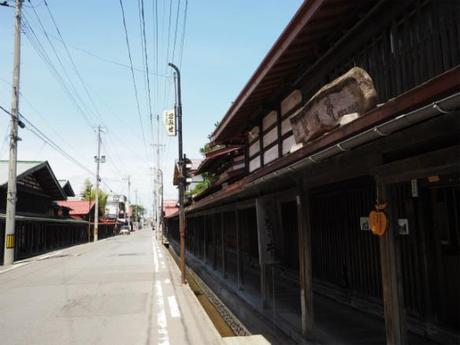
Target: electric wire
41	52
77	72
175	30
66	75
133	77
182	41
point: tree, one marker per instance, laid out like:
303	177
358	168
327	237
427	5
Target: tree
89	193
138	211
86	192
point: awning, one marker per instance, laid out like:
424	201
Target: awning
215	156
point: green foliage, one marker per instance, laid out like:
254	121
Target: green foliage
89	193
138	211
208	180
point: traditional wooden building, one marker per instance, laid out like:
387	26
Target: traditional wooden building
41	224
291	237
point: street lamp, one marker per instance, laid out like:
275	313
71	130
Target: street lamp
181	174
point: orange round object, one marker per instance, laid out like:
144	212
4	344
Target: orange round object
378	222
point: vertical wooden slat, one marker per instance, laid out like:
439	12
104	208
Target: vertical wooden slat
238	250
305	262
393	300
205	249
222	234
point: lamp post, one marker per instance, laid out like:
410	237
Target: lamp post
181	174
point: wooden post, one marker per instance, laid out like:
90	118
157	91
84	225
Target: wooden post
305	260
238	250
205	250
222	235
260	231
393	298
214	241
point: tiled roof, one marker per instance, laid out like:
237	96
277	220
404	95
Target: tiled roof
77	207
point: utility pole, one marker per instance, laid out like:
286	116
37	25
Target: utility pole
98	160
136	217
12	165
181	174
129	193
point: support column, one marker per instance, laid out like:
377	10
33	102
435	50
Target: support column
393	294
305	261
260	210
222	235
205	254
238	251
214	241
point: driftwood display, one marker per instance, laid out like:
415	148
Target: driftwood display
353	92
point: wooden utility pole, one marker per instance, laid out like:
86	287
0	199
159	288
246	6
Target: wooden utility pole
12	165
181	175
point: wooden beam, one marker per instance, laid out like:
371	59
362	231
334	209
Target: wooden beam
305	260
393	298
438	162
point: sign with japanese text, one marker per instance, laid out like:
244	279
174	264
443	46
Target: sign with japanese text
170	122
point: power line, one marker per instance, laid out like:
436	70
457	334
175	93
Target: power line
41	52
146	61
183	33
57	57
132	75
175	31
36	131
77	72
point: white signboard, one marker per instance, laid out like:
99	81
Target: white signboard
364	223
170	122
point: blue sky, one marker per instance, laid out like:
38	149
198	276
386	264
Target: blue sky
224	43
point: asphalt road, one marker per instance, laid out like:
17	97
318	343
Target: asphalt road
122	290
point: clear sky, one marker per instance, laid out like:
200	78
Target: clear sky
224	43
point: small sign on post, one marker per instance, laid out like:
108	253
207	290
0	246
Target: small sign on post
170	122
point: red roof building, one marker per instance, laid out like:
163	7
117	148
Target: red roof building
79	209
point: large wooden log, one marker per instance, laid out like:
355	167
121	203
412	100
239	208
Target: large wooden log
353	92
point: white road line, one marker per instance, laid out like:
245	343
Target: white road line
13	267
163	337
155	257
173	307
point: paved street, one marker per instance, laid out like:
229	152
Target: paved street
123	290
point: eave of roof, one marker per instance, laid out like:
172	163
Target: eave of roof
26	168
311	22
438	87
216	155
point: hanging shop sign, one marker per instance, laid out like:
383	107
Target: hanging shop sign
378	221
170	122
267	222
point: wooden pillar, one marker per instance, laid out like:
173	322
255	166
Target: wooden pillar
214	241
205	250
222	235
390	258
305	259
263	276
238	251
